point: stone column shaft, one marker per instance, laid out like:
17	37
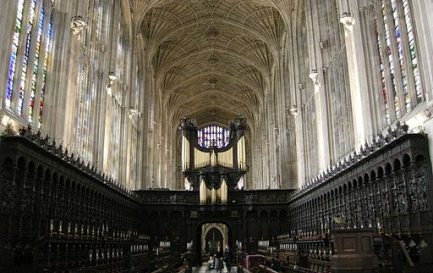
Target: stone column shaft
316	75
355	47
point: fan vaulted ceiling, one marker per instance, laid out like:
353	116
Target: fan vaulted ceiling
213	59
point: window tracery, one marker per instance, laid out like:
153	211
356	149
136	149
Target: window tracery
14	52
397	53
28	61
26	57
213	135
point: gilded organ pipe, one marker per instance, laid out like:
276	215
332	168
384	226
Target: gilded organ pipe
241	153
185	153
226	158
202	192
216	160
213	196
218	195
208	194
213	159
224	192
201	159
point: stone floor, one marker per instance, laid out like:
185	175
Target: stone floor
205	269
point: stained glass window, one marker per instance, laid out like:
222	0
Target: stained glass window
13	57
412	50
400	53
36	63
26	57
397	47
45	71
213	135
28	65
382	75
390	61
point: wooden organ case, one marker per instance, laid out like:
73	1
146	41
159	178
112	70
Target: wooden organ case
214	170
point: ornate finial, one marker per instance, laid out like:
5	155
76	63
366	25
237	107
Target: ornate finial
44	142
381	140
371	147
388	136
352	157
22	131
404	128
395	131
29	129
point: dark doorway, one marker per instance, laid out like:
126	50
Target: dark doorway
213	241
210	239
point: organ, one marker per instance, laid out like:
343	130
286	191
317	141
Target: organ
213	158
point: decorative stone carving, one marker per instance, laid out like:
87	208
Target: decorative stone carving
346	19
78	23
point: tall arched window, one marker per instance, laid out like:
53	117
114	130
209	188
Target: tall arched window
36	63
45	72
213	135
28	61
25	61
14	52
400	77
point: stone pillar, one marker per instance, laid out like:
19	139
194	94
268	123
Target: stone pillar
61	106
357	67
354	251
321	121
316	75
300	154
141	125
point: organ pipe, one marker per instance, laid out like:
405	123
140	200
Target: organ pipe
218	194
185	153
213	196
213	159
241	153
226	158
201	159
224	191
203	189
208	194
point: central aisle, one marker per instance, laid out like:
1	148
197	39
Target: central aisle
205	269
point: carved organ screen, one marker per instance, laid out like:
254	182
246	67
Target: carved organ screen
213	158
